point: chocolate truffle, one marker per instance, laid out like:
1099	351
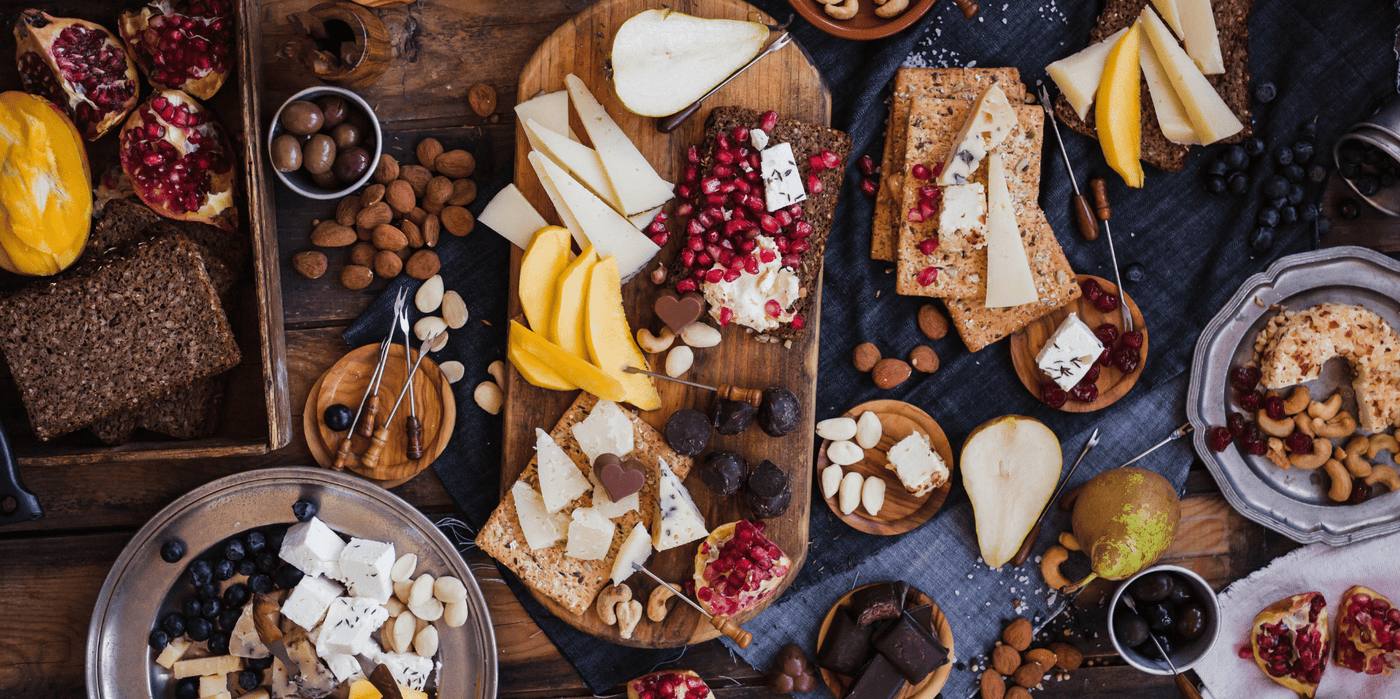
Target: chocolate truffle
732	416
724	472
770	490
688	432
780	411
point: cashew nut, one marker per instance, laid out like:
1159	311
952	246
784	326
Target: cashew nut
1068	541
608	601
1304	425
1356	449
1276	453
1321	453
1342	425
1380	443
1298	401
829	2
1341	481
1385	475
891	8
652	344
1050	567
1328	409
846	10
659	603
628	614
1275	428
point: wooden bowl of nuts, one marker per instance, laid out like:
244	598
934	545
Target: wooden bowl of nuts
862	20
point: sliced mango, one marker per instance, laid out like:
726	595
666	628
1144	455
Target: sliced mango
544	259
1119	109
45	187
582	374
566	327
533	370
609	337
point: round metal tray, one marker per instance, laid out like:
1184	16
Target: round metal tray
141	587
1293	502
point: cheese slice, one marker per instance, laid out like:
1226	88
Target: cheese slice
1078	76
606	430
606	230
510	215
541	529
560	480
962	208
636	549
1171	115
1211	118
174	651
638	186
681	521
1199	33
581	161
199	667
590	535
990	123
1170	14
537	161
604	504
644	219
550	110
1009	278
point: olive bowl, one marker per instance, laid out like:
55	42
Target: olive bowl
299	180
1189	654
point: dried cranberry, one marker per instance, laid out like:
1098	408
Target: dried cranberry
1244	378
1053	395
1257	448
1298	443
867	166
1250	400
1219	438
1273	406
1236	424
1132	339
1359	492
1126	359
868	186
1084	393
1106	303
1093	375
1107	334
1106	358
1091	289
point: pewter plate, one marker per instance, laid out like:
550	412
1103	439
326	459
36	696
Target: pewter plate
141	587
1293	502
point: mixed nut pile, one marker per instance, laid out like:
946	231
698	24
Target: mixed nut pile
1013	657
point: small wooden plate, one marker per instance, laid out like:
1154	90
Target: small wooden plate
310	422
1113	384
931	686
902	510
866	25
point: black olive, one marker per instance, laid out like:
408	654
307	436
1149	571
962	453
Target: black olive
247	566
1238	183
247	680
199	629
223	570
187	688
158	639
1135	272
208	590
338	417
688	432
1265	93
733	417
1160	616
1216	185
173	624
1183	591
770	490
1192	622
1268	216
267	562
1283	155
1275	187
218	643
201	572
1255	147
1262	239
234	550
260	583
1129	627
236	595
1216	168
1235	158
724	472
780	412
172	551
287	577
1293	173
258	663
211	608
304	510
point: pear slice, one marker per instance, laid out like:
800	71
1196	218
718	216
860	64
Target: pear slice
1010	466
663	60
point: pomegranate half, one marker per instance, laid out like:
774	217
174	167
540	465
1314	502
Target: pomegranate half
737	567
680	684
179	160
1289	639
77	65
182	46
1368	632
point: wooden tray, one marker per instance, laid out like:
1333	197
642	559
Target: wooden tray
787	82
931	686
1113	384
902	510
258	393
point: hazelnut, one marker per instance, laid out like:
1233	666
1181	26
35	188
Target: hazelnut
865	356
1028	675
428	151
482	98
932	322
1005	659
311	264
1018	634
924	359
1067	657
356	277
993	686
890	372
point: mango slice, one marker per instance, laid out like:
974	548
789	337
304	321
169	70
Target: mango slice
45	187
609	337
566	326
544	260
582	374
1119	109
532	369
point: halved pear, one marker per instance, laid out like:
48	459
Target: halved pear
1010	466
663	60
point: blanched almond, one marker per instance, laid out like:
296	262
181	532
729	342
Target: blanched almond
868	430
831	480
428	611
679	360
425	643
455	614
454	310
427	326
452	371
851	485
700	335
405	625
429	296
422	591
836	429
449	589
488	397
404	568
844	453
497	370
872	495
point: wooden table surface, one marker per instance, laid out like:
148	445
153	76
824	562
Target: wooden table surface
52	569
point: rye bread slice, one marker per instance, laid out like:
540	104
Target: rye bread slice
86	347
190	412
1232	24
117	429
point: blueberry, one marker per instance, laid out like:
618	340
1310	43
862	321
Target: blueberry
190	606
1324	225
1307	212
260	583
1215	185
1288	215
1135	272
1255	147
1317	174
247	680
1349	209
255	542
1308	129
1265	93
247	567
236	595
1295	194
1350	170
187	688
267	562
200	629
1262	239
201	572
287	577
218	643
258	663
1268	216
1283	155
274	538
257	675
173	624
208	590
338	417
158	639
172	551
234	550
304	510
1367	186
211	608
1216	168
1235	158
1279	203
1238	183
1302	152
1293	173
223	570
1276	186
229	618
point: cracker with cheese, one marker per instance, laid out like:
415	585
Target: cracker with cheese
571	581
965	84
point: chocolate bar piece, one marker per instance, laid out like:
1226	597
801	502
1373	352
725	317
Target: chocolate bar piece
910	649
846	647
879	680
924	615
880	601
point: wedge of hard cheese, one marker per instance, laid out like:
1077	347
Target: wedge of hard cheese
607	231
638	186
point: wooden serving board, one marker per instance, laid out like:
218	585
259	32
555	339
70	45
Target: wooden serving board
788	83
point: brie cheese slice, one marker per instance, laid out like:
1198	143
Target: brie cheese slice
1069	353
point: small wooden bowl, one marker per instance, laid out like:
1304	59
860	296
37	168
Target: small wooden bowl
1113	384
866	24
931	686
902	510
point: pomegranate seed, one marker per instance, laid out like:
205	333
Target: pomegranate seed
751	263
714	276
801	229
915	216
1107	334
814	184
815	162
868	186
741	133
684	210
1091	289
782	243
688	258
1133	339
656	226
694	227
784	218
928	276
1273	407
684	191
704	259
1052	395
716	199
829	159
768	223
800	246
772	308
748	245
709	185
731	275
660	239
735	262
1236	424
797	322
1220	439
928	245
1126	359
722	170
660	217
768	120
767	256
712	250
742	186
1298	443
692	155
704	219
795	210
927	210
723	142
867	165
1084	393
930	193
920	172
1250	401
690	174
792	260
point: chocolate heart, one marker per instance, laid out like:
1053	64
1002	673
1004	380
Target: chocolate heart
621	479
678	311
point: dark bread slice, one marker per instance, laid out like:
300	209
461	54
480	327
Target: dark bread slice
817	209
117	429
191	412
1232	24
86	347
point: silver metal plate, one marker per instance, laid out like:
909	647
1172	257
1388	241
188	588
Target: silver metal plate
141	587
1292	502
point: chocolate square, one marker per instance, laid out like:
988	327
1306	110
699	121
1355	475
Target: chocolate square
924	615
878	680
846	647
910	649
880	601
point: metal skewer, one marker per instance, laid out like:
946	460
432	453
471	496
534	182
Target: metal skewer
670	123
412	425
342	454
752	396
1101	200
741	637
1025	551
366	429
1176	434
381	436
1183	684
1083	215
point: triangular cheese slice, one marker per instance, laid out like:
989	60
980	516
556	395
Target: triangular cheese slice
989	124
580	160
635	549
1211	118
1200	35
550	110
606	230
638	186
1078	76
680	520
590	535
1009	278
1170	14
1171	115
644	219
537	161
560	480
541	529
509	214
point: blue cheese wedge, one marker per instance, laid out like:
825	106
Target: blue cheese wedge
680	520
590	535
365	564
309	601
1069	353
782	180
244	642
991	122
542	529
313	548
919	467
636	549
963	208
561	481
607	430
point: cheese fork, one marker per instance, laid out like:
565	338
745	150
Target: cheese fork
673	122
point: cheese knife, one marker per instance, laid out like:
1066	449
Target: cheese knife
1025	551
266	612
379	676
12	490
722	623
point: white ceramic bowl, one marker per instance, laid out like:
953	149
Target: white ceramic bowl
300	180
1186	656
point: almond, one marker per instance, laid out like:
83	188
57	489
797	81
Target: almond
932	322
345	211
1018	634
457	220
463	193
993	686
416	176
1017	693
412	233
1005	659
1029	675
865	356
387	237
416	214
373	194
482	98
374	215
423	264
456	164
356	277
924	359
438	190
387	264
428	151
329	234
1044	656
430	206
431	228
454	310
311	264
399	195
1066	656
362	233
362	254
387	170
890	372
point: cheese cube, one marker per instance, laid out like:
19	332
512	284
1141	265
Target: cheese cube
199	667
990	123
349	623
313	548
920	469
409	669
309	601
681	521
244	641
174	651
561	481
606	430
590	535
963	208
212	685
782	179
636	549
366	566
1069	353
345	668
